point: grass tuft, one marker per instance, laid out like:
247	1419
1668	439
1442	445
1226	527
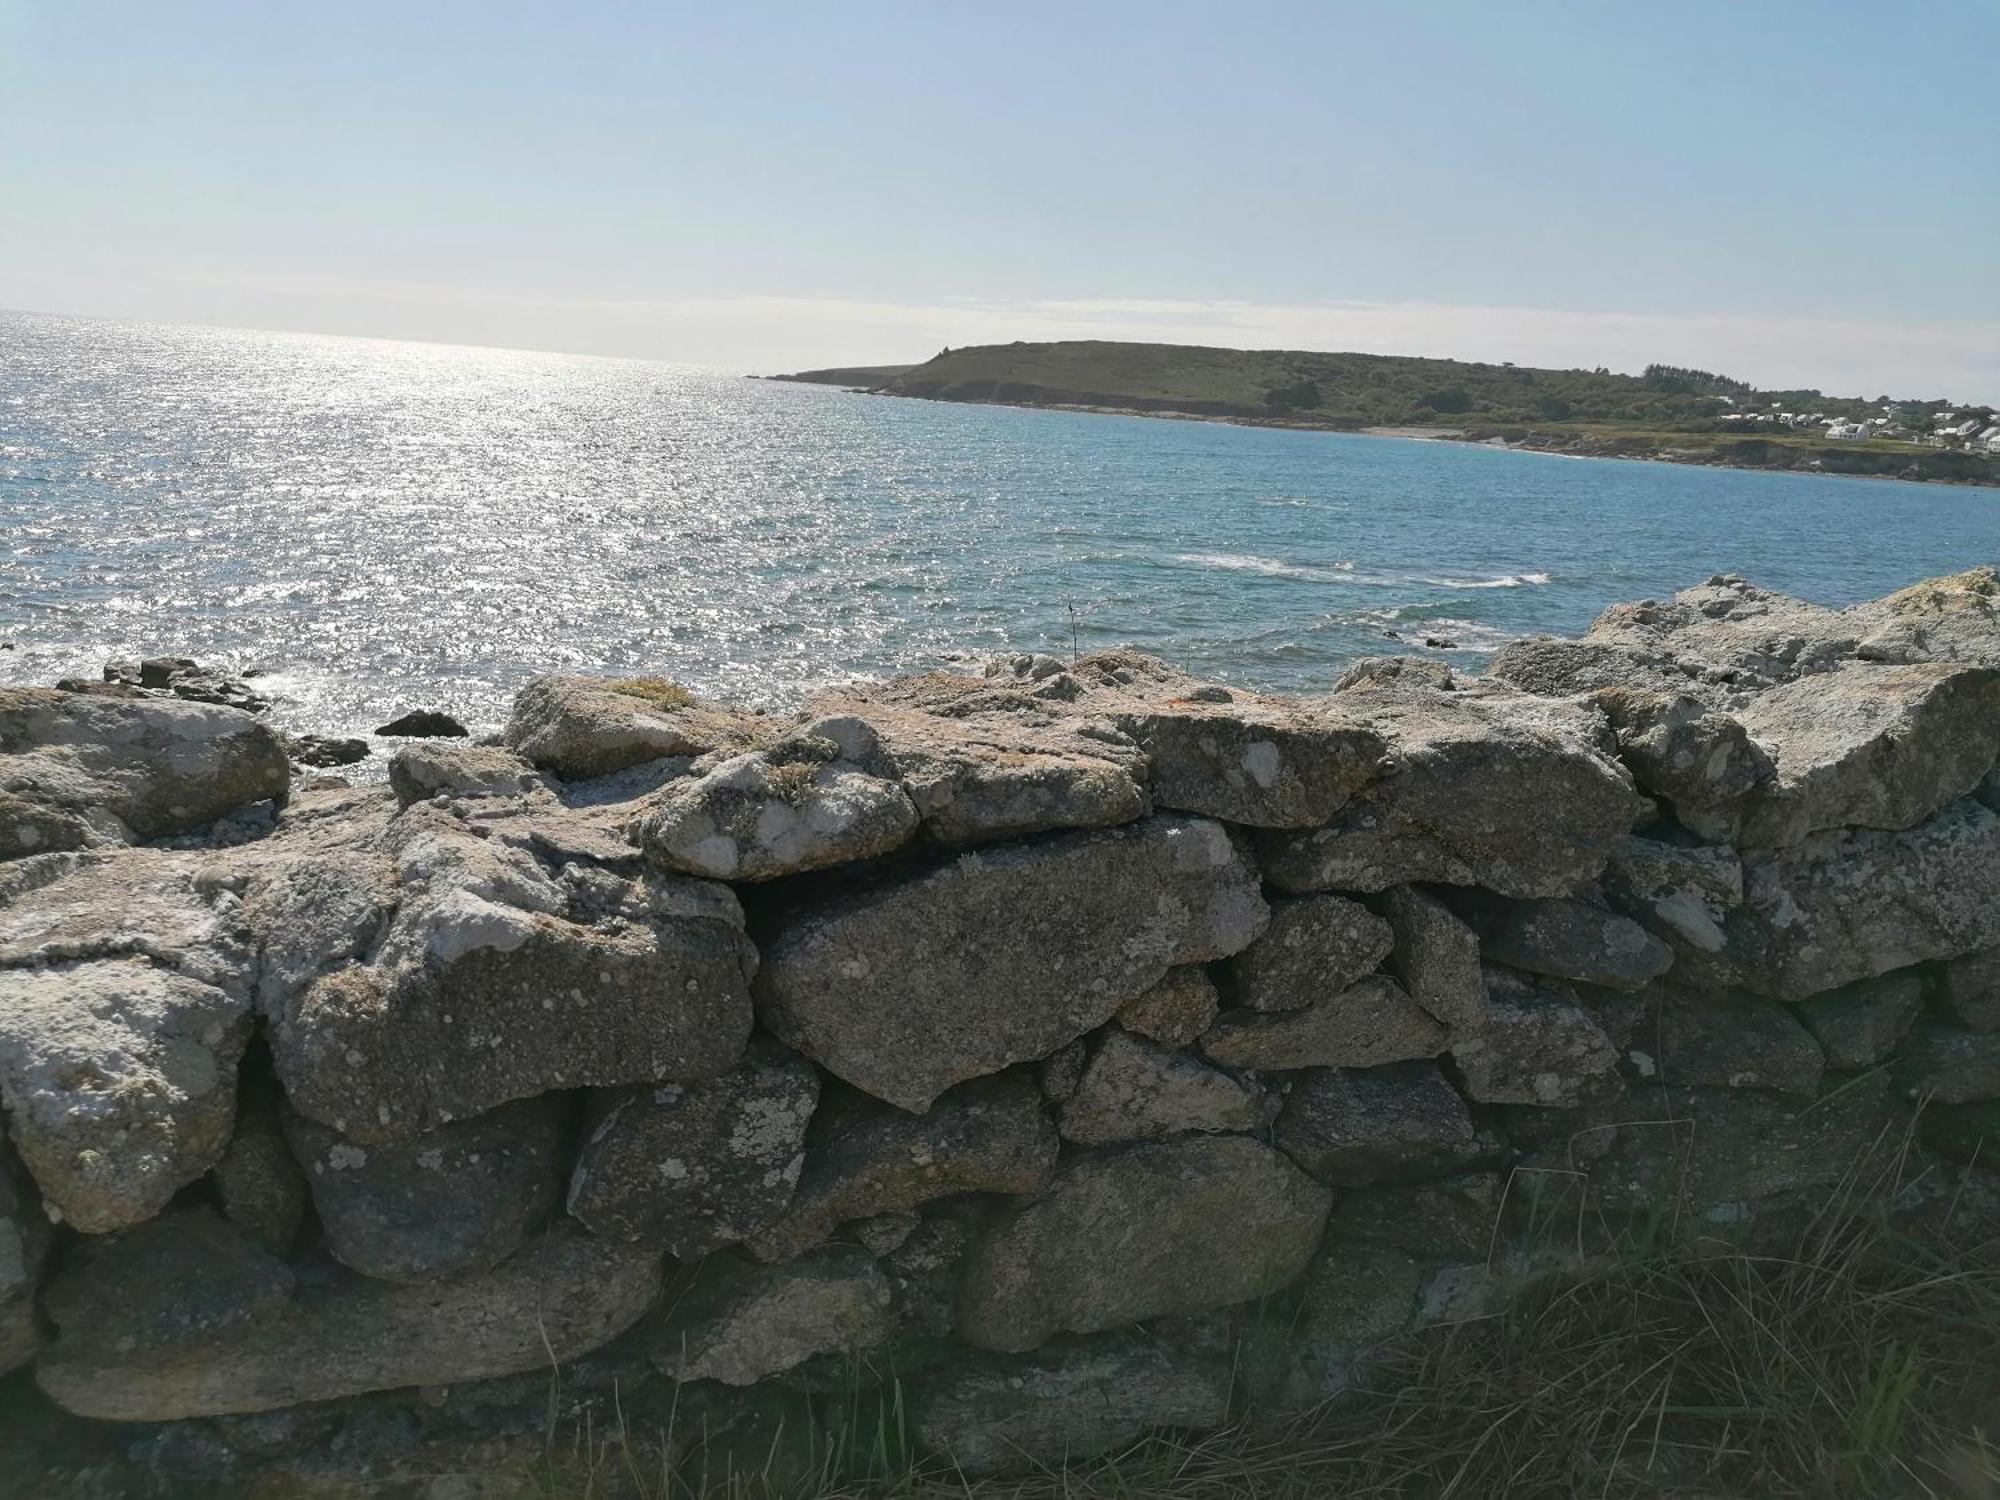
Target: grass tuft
658	691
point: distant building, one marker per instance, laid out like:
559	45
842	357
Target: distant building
1847	429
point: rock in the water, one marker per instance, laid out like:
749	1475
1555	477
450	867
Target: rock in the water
1136	1090
1437	958
1315	947
1860	1024
865	1159
1478	767
459	1199
420	771
1567	940
130	769
757	816
120	1081
694	1166
1870	746
1536	1047
1141	1231
1949	1065
1014	1415
1001	956
1845	906
1365	1025
258	1184
494	980
579	727
156	1337
1967	990
321	751
424	723
1175	1011
740	1322
1349	1127
1731	1041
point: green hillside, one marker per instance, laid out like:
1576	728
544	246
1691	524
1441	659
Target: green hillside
1667	411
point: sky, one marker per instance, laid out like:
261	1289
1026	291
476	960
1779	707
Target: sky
1795	192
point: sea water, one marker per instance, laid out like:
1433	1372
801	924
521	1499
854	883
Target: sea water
381	526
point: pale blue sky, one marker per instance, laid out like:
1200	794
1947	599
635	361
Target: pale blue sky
1792	191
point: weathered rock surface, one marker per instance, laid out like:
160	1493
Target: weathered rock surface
1845	906
1536	1047
1135	1090
1175	1011
1962	1132
1315	947
1004	1416
259	1186
1967	990
1732	631
417	772
1061	1071
1956	618
1436	956
1137	1232
694	1166
128	769
31	827
1949	1065
1860	1024
1722	1153
1349	1127
1683	894
455	1200
1477	766
153	1337
865	1158
1731	1041
1229	753
119	1079
1365	1025
580	727
474	993
1870	746
739	1321
1567	940
757	816
1012	942
984	760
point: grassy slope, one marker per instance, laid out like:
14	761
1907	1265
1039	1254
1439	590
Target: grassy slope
1583	411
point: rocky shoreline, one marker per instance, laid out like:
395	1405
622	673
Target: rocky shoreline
1019	1048
1840	460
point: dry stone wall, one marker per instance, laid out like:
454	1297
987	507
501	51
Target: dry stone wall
1030	1045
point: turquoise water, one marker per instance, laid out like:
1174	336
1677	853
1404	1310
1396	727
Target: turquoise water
386	525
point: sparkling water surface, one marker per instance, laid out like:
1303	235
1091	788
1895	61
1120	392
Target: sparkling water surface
385	525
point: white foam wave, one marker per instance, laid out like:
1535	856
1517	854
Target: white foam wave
1241	562
1504	581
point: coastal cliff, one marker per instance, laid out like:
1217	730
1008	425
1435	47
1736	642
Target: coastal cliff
1047	1055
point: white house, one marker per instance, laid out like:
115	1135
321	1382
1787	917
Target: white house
1847	430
